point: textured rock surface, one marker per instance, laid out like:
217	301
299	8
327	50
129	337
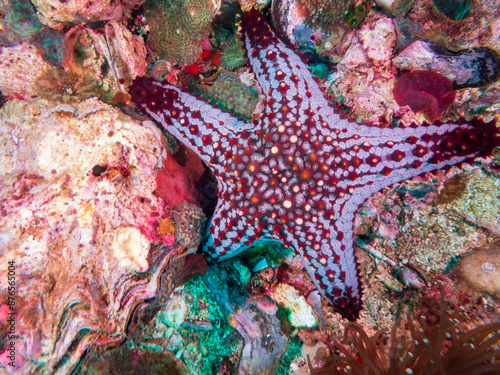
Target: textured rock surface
189	224
364	77
98	64
78	214
473	67
57	14
481	270
19	67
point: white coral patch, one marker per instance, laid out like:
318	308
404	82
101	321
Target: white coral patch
130	248
300	313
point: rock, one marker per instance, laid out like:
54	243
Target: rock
20	66
481	270
78	217
95	64
300	313
364	77
395	7
57	14
127	52
174	313
471	67
189	224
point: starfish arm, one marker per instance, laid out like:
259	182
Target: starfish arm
376	158
291	90
206	130
380	161
229	233
332	265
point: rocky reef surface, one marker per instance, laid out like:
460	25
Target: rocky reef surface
102	213
79	216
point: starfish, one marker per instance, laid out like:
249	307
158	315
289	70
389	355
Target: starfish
299	173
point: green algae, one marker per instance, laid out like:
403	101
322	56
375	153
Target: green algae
207	347
267	253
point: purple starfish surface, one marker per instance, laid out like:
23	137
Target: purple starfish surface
300	172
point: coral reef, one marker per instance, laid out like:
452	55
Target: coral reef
87	63
204	339
232	54
101	212
329	15
113	58
125	54
463	50
356	14
364	76
262	334
306	189
303	24
229	93
425	21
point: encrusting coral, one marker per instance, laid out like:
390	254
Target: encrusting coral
328	15
230	94
178	28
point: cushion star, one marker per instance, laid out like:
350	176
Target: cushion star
300	172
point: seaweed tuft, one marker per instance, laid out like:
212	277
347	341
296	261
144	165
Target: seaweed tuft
427	349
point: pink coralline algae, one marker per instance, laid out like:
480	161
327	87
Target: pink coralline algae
364	76
300	172
79	218
424	91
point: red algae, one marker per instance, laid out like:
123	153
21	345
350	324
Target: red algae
175	183
423	91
